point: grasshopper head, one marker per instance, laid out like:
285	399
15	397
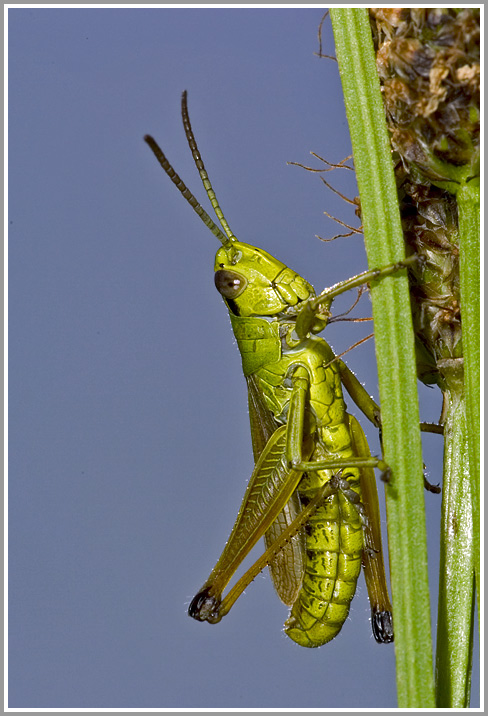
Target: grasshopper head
251	282
254	283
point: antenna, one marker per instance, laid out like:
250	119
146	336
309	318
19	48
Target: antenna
226	239
201	167
181	186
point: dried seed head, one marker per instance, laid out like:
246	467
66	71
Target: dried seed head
428	62
429	67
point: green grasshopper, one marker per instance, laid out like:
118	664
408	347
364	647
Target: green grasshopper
312	494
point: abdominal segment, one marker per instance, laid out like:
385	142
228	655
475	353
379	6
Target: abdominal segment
333	547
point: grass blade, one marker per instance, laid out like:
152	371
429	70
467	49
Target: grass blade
395	355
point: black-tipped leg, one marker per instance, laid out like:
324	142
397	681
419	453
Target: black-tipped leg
205	607
431	488
382	624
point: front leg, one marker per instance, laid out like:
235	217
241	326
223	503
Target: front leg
316	311
368	406
360	395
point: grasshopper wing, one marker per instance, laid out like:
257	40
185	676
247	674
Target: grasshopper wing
287	568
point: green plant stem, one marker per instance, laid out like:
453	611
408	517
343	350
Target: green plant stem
396	358
460	524
468	198
457	554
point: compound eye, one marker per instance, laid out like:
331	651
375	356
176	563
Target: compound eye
229	284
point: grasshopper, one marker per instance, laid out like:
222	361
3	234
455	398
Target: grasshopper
312	493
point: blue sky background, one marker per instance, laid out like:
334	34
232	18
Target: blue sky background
129	437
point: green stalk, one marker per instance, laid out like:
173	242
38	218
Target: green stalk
396	358
460	521
457	556
468	197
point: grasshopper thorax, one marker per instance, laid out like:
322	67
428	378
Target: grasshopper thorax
254	283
